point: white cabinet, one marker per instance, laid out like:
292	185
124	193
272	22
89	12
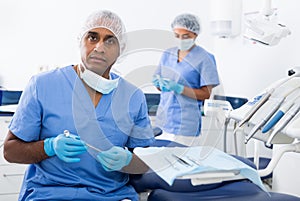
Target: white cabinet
11	175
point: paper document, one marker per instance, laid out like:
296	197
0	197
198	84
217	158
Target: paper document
174	162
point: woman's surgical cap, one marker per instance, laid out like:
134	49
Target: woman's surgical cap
187	21
105	19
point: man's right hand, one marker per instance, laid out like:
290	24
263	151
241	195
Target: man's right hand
65	147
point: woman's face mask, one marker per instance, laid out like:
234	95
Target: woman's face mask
98	82
185	44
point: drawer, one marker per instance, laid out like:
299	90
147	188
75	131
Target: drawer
4	122
11	177
9	197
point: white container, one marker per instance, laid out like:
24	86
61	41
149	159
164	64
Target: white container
225	19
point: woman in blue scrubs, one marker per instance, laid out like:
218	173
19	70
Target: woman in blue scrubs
185	76
104	118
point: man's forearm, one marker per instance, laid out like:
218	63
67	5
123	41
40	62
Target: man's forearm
18	151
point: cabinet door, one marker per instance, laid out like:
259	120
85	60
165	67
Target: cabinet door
11	175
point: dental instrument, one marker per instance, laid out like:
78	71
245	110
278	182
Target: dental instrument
194	160
282	110
290	87
287	117
279	114
172	164
258	104
182	161
263	121
92	147
67	134
243	114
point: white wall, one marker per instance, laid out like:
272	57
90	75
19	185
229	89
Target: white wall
248	68
38	33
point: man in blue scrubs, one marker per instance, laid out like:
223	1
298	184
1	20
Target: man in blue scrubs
77	126
185	76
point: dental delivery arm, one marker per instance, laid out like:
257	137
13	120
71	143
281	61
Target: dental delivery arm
18	151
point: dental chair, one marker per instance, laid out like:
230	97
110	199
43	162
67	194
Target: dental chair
183	189
273	118
250	118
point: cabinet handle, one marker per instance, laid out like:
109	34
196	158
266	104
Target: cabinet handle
9	193
12	175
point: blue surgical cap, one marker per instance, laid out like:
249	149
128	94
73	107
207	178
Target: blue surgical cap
187	21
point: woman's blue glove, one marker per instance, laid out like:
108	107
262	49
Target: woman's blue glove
174	86
163	85
160	83
115	158
65	148
155	80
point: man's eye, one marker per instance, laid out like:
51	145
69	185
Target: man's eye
111	41
92	38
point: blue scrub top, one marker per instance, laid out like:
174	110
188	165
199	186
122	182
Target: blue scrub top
179	114
49	105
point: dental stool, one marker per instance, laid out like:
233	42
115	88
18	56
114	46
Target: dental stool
182	189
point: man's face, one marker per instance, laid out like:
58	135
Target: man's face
99	50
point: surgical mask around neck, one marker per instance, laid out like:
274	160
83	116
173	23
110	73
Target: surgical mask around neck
185	44
97	82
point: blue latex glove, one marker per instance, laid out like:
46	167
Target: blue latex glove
115	158
65	148
163	85
160	83
155	80
174	86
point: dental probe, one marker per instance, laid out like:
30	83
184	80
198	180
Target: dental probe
67	134
182	161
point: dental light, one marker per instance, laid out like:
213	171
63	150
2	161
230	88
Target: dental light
263	27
